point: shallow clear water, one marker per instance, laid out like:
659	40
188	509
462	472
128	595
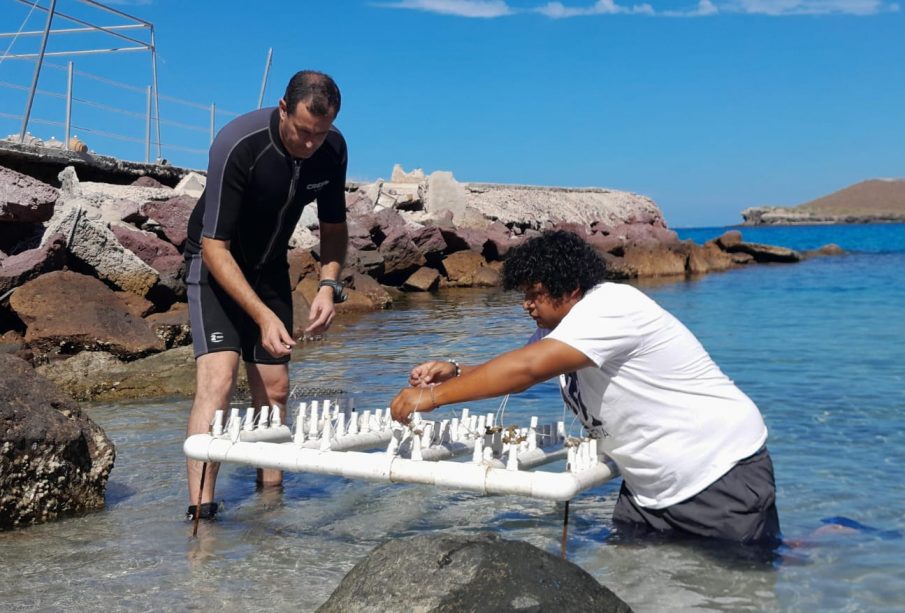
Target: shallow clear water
818	345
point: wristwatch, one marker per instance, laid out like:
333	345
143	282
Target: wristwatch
339	292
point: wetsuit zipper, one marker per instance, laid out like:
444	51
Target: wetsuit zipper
296	171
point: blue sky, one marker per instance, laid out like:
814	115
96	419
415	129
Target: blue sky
706	106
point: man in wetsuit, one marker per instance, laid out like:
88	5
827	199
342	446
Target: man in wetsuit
264	167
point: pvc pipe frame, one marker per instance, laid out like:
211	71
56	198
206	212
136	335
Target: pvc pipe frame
484	478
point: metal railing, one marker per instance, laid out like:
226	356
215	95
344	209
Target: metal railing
128	129
189	135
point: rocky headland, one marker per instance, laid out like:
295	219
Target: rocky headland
93	305
872	201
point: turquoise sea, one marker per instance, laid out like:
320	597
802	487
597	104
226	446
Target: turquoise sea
818	345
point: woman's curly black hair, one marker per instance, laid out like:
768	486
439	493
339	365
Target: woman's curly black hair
560	260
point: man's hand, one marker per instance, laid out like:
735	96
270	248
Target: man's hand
275	339
321	313
431	372
409	400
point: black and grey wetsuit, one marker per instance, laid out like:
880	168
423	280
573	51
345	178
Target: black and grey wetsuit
254	198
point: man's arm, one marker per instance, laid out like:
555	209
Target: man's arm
508	373
334	242
223	267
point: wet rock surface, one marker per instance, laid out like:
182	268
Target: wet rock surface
54	460
468	573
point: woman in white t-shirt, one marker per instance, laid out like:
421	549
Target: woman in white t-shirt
688	442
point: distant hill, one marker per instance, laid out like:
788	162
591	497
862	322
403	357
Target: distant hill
871	201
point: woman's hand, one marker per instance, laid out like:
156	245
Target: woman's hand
431	372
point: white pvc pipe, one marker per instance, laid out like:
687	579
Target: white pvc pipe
471	477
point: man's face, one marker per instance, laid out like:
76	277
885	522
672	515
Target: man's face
546	310
301	132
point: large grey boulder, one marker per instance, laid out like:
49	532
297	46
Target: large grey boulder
438	573
97	247
192	185
445	193
24	199
103	202
530	206
54	460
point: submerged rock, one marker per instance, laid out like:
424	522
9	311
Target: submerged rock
99	376
54	460
468	573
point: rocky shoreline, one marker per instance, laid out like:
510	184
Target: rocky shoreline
92	293
871	201
92	302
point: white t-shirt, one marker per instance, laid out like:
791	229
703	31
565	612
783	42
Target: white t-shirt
665	412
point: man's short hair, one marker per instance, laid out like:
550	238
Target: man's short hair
316	89
560	260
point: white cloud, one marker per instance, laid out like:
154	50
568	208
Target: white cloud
557	10
703	8
811	7
459	8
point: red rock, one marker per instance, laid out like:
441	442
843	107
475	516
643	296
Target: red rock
172	327
301	306
462	239
423	280
24	199
368	286
301	264
368	262
487	277
17	269
707	258
430	242
95	318
499	242
606	244
171	218
358	204
146	181
146	245
655	262
830	249
729	239
401	256
461	267
170	285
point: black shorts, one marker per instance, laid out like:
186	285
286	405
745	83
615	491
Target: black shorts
740	506
219	324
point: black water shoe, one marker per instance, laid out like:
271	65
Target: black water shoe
208	510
